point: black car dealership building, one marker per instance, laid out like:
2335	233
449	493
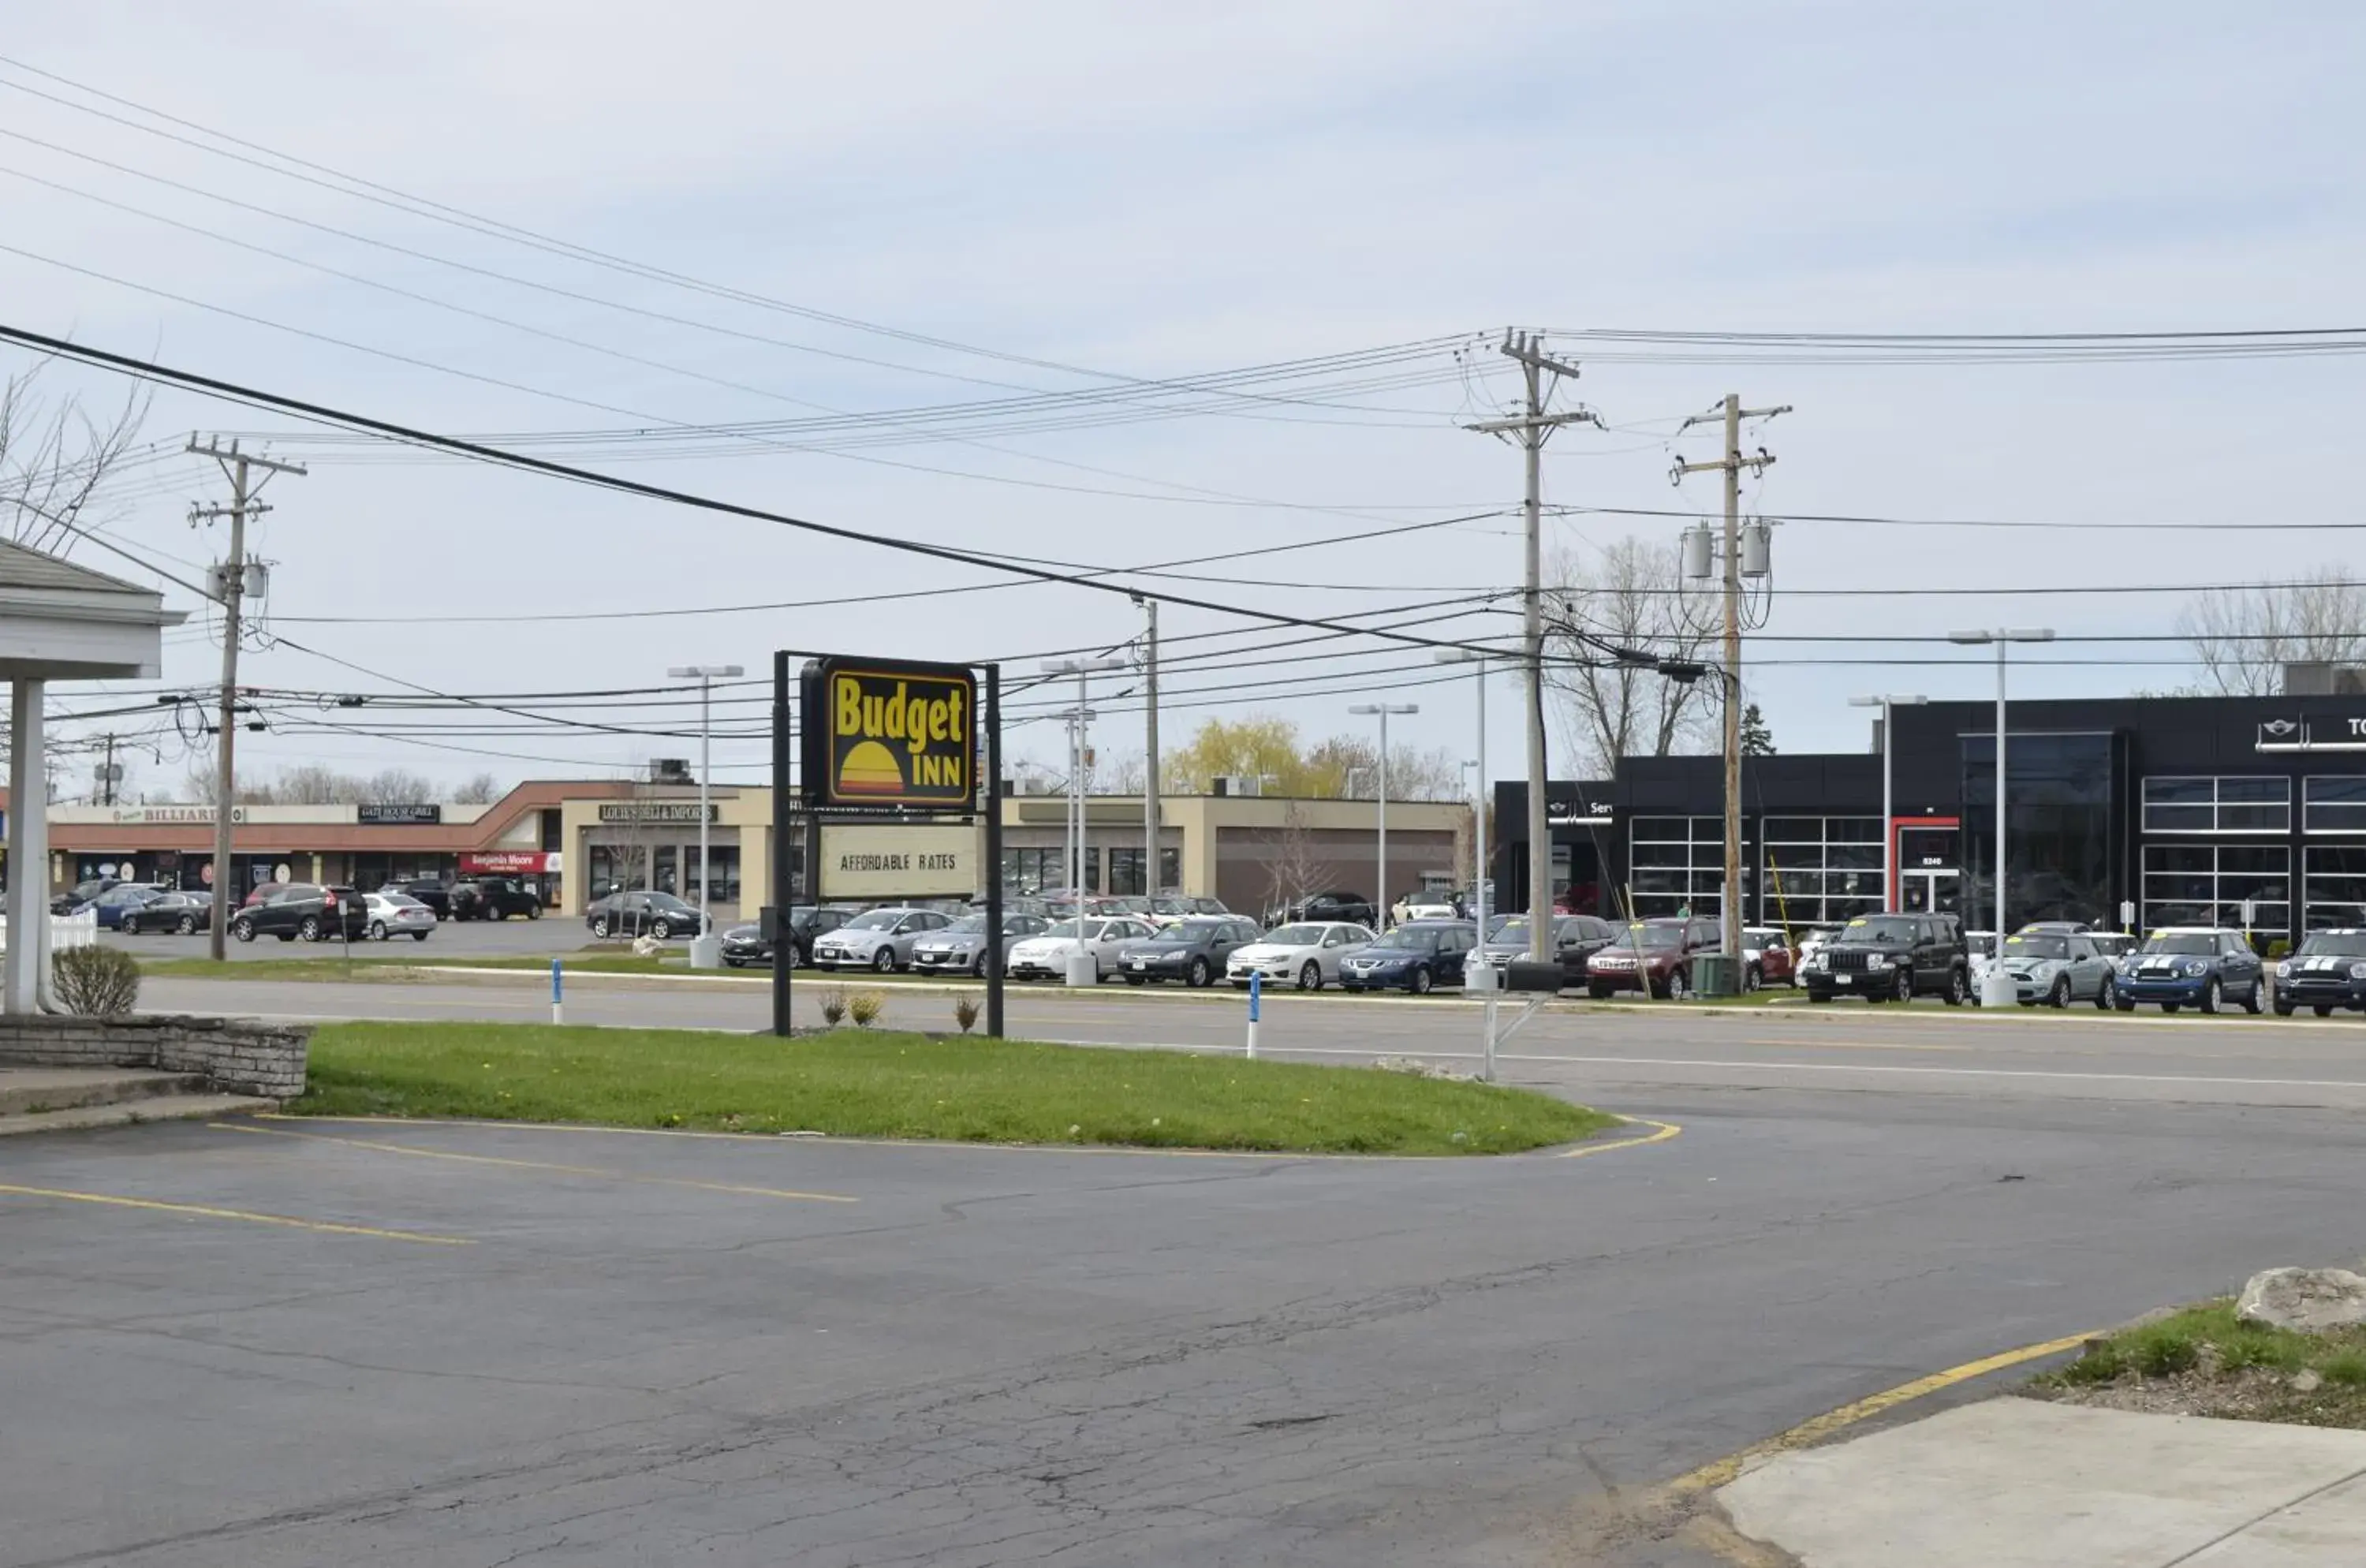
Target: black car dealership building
2135	811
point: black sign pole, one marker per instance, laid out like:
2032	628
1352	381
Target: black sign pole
784	936
991	793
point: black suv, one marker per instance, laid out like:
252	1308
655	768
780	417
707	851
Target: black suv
493	898
1335	905
431	891
1891	957
307	909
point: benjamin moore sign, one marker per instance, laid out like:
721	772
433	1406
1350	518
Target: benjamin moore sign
880	733
920	860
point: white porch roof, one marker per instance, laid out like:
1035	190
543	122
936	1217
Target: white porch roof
63	622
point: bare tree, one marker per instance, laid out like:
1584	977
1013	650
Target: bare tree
2243	638
1632	597
55	456
1292	869
482	790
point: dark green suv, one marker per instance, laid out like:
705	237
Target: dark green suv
1893	956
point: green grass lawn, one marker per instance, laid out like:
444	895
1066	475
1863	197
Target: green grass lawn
379	962
875	1083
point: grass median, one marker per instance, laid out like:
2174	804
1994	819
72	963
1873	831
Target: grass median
876	1083
2204	1360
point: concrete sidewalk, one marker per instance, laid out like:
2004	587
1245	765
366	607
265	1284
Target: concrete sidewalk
2018	1483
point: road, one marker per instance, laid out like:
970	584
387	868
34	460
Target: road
589	1348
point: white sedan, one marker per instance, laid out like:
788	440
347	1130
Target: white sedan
398	914
1305	954
1047	954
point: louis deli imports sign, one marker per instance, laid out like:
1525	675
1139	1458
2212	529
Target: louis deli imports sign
886	733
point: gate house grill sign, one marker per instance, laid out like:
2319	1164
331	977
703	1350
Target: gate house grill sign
883	734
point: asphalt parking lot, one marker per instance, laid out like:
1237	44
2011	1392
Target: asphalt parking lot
299	1342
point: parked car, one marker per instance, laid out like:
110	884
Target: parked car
638	913
1653	954
431	891
309	910
181	912
1893	956
1170	907
261	893
2115	945
1575	939
1045	955
2057	966
1193	950
1811	942
81	893
1766	958
494	898
2192	966
960	947
1336	907
881	940
1415	956
2328	972
1304	953
398	914
110	907
746	947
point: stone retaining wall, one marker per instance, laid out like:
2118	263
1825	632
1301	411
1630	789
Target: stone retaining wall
239	1055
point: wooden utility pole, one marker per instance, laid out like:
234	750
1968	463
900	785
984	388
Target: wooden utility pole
1531	429
1731	463
230	587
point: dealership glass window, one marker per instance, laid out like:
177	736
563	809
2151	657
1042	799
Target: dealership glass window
1676	864
2233	803
1031	871
2334	803
722	866
2204	885
1820	869
1125	871
2334	886
2058	835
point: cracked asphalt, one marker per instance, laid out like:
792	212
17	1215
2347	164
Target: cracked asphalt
587	1348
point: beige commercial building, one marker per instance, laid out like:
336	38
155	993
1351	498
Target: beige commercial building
572	840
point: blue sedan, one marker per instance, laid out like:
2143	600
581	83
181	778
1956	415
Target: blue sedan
2201	968
112	904
1412	957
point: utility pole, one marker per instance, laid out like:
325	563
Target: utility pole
106	774
1733	462
1150	747
1531	428
230	587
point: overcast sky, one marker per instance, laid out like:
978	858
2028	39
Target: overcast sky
1090	186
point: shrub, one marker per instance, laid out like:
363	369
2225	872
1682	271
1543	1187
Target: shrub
833	1007
965	1013
865	1007
2160	1352
2280	948
2347	1368
98	982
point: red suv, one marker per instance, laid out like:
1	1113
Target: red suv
1659	953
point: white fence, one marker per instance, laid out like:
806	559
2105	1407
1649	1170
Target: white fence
65	930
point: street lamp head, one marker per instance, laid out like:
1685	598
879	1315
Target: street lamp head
1369	708
1458	656
1972	638
705	671
1081	666
1866	702
1891	699
2030	634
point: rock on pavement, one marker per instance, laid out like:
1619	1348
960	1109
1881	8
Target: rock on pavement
2310	1300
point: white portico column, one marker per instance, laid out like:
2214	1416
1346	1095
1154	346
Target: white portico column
28	852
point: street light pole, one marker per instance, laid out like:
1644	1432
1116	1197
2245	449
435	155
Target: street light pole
1889	891
1997	990
1478	780
706	947
1383	710
1082	670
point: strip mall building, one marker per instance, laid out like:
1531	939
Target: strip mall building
572	840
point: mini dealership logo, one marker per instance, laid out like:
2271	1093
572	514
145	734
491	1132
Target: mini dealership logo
881	733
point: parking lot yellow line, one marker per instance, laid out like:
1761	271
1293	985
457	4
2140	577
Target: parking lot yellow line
205	1211
1662	1132
423	1153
